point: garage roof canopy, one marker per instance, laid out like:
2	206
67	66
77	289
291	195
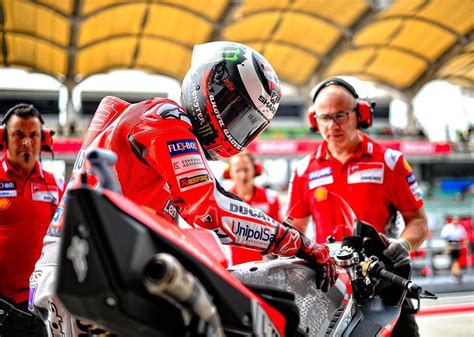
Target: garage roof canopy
403	45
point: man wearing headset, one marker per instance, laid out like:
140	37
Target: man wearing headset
376	182
241	170
229	96
28	199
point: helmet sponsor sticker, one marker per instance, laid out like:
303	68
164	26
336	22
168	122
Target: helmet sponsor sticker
320	177
187	163
193	179
366	173
182	146
250	234
8	189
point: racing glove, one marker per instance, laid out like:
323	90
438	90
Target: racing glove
398	251
288	242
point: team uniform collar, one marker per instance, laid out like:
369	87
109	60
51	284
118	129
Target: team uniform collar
7	167
366	147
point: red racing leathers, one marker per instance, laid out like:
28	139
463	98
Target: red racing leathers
376	182
161	165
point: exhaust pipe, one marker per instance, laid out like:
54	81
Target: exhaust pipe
165	277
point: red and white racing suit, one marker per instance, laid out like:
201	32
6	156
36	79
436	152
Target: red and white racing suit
162	166
267	201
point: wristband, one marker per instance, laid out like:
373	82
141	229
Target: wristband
406	244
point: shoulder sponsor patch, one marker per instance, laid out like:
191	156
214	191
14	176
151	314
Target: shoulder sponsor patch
416	191
8	189
411	179
187	163
320	177
365	173
42	192
193	180
249	233
183	146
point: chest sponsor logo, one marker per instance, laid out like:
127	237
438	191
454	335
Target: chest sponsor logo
187	163
365	173
198	178
253	212
171	210
182	146
4	204
8	189
43	192
320	177
250	233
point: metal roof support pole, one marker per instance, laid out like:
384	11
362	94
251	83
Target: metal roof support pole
411	128
68	118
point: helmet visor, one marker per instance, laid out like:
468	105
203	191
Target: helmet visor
240	117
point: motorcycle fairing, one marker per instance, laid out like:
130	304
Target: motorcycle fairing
106	243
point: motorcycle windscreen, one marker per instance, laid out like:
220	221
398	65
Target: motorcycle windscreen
334	217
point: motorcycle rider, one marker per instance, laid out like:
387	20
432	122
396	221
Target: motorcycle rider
229	96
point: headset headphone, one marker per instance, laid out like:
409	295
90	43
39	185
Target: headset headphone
46	134
363	109
257	166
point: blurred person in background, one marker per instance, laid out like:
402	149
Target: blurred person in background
456	235
29	197
229	95
242	169
376	182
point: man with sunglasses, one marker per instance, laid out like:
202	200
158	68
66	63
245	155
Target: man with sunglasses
376	182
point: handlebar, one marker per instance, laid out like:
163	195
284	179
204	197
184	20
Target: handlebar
377	269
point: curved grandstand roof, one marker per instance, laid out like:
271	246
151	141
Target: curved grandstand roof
402	46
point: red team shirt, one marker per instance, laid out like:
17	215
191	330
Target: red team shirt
376	182
26	209
267	201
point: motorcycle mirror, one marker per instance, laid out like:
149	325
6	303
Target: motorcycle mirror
100	161
428	295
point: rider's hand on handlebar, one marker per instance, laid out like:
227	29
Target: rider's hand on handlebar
398	251
318	257
288	242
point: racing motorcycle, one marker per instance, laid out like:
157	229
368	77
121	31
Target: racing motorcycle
137	274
